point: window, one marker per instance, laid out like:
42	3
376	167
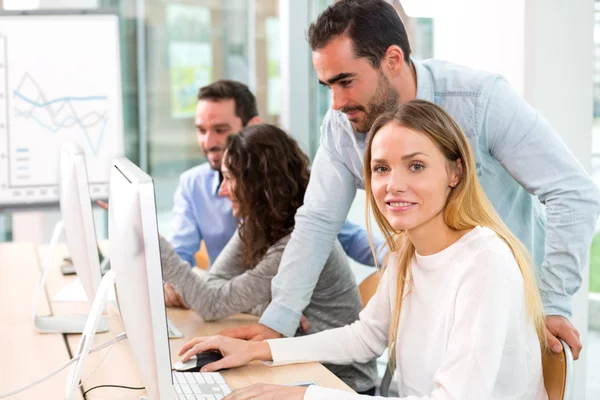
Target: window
187	45
168	51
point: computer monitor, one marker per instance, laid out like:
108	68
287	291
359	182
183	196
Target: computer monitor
137	274
77	222
76	214
135	262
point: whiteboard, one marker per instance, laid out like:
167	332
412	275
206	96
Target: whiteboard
60	80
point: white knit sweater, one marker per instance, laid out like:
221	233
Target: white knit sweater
464	332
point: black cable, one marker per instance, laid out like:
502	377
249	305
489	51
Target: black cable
114	386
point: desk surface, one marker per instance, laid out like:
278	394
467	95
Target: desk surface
118	368
25	354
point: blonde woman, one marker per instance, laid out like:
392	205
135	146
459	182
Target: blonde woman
458	305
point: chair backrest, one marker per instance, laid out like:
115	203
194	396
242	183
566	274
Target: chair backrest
368	287
558	373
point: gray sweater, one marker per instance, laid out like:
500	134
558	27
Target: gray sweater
229	289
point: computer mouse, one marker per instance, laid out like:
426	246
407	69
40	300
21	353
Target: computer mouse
195	363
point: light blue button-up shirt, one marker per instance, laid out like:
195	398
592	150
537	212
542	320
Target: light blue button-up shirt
199	213
535	184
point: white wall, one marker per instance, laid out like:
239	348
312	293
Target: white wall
544	48
558	82
483	34
559	67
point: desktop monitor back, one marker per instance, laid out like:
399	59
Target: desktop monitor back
135	262
77	217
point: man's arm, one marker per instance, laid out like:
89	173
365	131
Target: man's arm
355	241
328	198
535	155
186	236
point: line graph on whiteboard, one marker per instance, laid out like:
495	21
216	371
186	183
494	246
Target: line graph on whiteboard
86	115
57	88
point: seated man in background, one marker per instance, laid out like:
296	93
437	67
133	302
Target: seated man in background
199	213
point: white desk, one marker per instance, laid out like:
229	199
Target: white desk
26	355
118	368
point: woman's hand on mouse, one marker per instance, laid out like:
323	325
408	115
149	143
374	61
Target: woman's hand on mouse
235	352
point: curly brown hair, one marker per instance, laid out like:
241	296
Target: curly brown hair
271	174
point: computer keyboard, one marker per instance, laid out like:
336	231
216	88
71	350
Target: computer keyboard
200	385
174	333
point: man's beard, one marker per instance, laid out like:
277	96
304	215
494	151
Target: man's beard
385	99
213	166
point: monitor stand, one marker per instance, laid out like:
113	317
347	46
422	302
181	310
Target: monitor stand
87	337
52	323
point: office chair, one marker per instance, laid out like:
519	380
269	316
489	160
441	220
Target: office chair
368	287
201	257
558	373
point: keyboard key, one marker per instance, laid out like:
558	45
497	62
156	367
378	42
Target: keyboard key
189	377
225	388
196	388
219	378
178	389
208	378
199	379
190	397
186	388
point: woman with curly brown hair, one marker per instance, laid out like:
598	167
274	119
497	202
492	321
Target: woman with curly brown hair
265	174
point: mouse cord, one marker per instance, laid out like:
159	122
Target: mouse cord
120	337
114	386
97	365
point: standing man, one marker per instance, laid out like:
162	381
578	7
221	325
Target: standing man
360	51
199	213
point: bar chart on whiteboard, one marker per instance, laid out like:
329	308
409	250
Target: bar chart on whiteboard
57	87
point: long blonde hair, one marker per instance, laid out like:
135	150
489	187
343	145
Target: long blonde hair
467	205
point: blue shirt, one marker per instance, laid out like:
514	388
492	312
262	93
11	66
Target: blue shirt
199	213
533	181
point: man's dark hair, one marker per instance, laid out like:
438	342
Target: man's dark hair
245	102
372	25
